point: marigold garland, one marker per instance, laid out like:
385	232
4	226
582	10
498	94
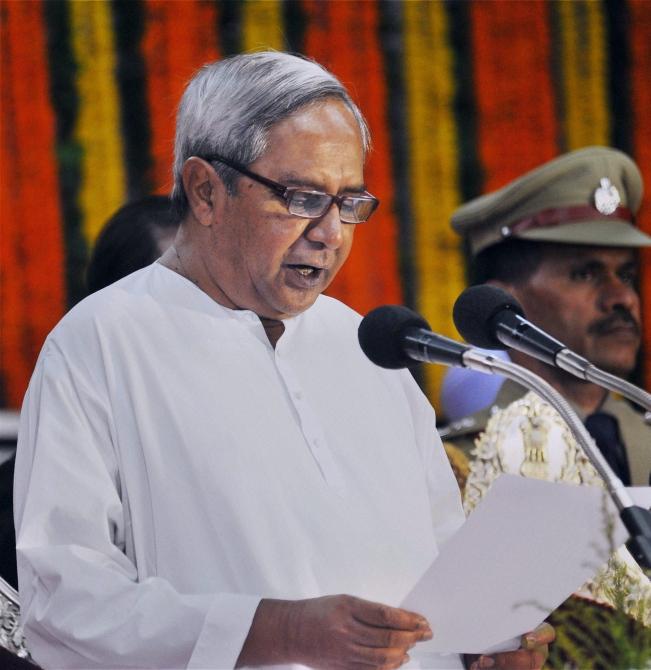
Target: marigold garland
583	74
516	120
103	187
344	37
179	38
262	25
31	248
516	123
434	167
640	44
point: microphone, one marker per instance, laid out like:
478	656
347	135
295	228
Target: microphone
487	316
393	337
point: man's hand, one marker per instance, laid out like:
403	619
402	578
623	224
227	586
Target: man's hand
332	632
531	655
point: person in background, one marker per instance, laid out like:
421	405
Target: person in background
563	240
237	485
135	236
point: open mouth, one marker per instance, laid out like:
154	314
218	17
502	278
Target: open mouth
306	270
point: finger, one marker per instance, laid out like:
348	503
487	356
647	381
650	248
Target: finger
522	659
542	635
384	616
374	636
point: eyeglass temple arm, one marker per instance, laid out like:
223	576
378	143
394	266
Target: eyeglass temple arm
274	186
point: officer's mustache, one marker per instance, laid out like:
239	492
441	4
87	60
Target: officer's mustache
620	317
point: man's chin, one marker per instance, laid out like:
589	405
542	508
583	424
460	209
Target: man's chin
289	308
616	353
620	368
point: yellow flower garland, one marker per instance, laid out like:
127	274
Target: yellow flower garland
584	74
98	126
434	168
262	25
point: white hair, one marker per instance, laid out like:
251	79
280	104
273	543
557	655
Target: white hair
230	106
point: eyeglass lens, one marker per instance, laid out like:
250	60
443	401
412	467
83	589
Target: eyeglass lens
313	205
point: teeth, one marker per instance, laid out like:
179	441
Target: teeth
305	271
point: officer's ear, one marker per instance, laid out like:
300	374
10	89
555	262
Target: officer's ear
509	287
204	190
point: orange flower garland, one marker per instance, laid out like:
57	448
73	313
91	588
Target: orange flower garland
31	250
640	32
516	123
519	70
179	38
343	36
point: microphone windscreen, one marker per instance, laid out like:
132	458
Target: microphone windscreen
474	310
381	335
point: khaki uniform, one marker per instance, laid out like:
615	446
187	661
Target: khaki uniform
636	436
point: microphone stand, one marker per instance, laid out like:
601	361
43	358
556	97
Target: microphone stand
412	341
637	520
579	367
515	332
428	347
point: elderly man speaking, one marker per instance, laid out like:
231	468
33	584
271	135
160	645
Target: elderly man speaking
206	457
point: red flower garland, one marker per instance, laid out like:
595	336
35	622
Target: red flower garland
179	38
343	36
31	253
640	31
516	122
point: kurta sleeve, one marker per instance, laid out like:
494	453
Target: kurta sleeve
82	604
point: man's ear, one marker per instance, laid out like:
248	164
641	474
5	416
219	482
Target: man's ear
204	190
513	289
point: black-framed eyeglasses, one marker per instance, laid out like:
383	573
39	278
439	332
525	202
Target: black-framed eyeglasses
310	204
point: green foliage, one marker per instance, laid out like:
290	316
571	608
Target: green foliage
594	636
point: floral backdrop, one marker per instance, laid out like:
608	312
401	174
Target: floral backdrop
460	96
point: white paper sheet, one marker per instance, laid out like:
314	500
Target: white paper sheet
525	548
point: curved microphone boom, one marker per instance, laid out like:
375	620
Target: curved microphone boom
394	337
487	316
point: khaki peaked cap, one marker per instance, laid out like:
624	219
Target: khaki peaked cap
590	196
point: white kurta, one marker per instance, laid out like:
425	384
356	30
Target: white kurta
173	469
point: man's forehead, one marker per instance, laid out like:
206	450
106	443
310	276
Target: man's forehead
579	253
293	178
315	118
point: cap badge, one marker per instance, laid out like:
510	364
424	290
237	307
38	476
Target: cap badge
606	197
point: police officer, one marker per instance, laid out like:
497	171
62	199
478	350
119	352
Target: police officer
562	239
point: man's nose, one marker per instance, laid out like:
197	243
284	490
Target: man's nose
327	229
